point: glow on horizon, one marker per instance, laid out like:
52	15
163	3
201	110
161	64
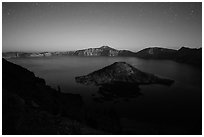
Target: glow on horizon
71	26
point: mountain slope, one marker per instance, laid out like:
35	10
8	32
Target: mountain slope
189	56
156	53
29	106
103	51
183	55
123	73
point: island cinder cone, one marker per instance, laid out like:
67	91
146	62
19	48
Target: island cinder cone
121	72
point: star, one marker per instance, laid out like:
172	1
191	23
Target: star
192	12
37	4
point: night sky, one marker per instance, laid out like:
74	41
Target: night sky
72	26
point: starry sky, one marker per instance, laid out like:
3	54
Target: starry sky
48	26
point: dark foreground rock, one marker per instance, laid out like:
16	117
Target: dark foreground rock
33	90
31	107
123	73
26	96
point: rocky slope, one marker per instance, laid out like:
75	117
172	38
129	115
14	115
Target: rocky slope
102	51
156	53
29	106
189	56
26	98
123	73
183	55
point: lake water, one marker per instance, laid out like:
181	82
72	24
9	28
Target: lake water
179	107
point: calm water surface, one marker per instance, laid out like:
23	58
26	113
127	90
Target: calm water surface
180	102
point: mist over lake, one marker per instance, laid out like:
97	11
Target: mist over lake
178	106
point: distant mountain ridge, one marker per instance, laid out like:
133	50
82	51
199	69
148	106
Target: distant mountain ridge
156	53
183	55
101	51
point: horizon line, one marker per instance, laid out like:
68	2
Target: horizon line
99	47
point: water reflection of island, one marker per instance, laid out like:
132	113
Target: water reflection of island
120	80
115	91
